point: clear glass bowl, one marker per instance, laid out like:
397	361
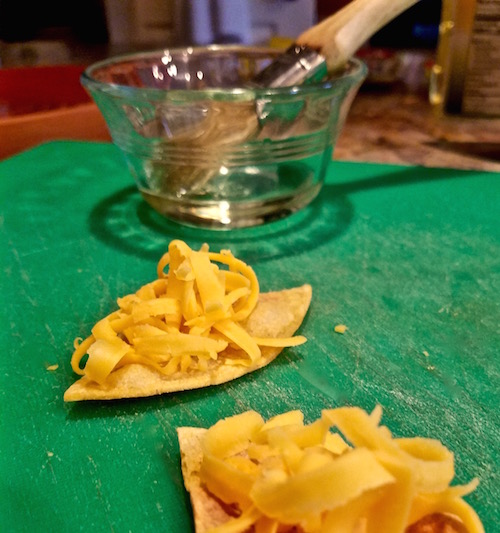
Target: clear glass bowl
207	148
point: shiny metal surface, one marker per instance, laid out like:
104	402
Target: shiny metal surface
298	65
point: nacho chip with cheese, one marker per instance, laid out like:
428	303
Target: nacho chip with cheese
343	473
202	322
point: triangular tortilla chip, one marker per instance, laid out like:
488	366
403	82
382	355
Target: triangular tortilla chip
277	314
208	512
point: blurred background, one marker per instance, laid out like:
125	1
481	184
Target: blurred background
439	56
58	31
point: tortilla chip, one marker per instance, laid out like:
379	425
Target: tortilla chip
437	523
208	512
277	314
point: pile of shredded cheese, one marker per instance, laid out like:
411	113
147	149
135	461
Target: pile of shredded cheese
188	317
342	473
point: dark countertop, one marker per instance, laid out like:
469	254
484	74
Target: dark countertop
397	125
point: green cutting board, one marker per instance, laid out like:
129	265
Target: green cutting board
406	257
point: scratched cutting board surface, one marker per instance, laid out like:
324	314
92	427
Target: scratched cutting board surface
406	257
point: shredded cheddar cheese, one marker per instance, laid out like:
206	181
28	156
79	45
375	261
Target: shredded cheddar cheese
191	315
344	472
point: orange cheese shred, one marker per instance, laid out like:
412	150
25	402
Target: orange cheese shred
190	315
342	472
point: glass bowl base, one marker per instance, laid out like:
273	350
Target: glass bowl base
229	214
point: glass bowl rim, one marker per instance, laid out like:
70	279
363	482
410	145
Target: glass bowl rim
357	72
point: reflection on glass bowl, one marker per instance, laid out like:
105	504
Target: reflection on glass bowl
205	147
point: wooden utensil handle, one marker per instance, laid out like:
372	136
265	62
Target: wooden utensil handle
341	34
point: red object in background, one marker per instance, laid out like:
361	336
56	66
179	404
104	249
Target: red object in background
32	89
44	103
